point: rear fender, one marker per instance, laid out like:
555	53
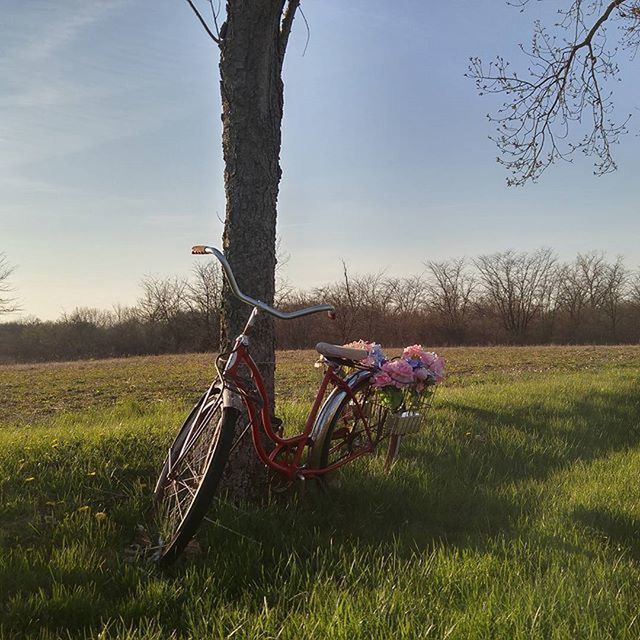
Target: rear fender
327	413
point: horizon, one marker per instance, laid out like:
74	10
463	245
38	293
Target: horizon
289	288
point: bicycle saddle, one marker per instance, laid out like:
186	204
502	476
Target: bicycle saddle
333	351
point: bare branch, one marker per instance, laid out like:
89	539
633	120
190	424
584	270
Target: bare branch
306	24
519	285
7	304
215	13
203	22
565	79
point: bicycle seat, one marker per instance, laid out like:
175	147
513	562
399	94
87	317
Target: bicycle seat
333	352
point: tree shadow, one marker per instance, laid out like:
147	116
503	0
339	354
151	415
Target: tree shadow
618	529
473	486
459	490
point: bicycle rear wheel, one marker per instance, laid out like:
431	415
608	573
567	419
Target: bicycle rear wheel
352	431
191	473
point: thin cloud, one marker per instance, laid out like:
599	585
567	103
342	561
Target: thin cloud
53	29
55	101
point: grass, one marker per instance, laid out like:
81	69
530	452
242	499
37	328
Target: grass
516	515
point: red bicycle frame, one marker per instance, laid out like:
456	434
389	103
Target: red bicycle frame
236	392
260	416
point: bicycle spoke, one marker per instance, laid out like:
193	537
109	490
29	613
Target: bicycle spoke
239	438
354	431
188	488
201	424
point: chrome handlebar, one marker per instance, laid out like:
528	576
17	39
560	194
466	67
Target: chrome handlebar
231	279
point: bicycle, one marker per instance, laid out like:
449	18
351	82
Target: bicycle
340	427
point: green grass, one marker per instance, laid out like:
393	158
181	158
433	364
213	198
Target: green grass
516	515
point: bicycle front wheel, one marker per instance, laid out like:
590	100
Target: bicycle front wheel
191	473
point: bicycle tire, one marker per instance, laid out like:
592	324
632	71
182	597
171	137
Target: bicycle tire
339	436
182	501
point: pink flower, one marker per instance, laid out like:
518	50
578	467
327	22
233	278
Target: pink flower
422	374
382	380
428	358
438	369
414	352
375	355
359	344
400	372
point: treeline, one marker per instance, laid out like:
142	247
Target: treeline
502	298
172	315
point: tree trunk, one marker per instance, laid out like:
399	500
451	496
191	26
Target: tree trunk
251	87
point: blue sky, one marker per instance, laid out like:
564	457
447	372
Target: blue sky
110	152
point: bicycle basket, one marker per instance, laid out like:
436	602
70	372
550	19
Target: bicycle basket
410	417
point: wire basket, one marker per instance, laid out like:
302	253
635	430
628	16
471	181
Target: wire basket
408	418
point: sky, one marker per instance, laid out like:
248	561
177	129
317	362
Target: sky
111	160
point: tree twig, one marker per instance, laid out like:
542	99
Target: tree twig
203	22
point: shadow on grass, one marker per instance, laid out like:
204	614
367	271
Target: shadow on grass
618	529
535	440
458	489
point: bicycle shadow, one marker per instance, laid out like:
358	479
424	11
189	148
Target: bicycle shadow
475	484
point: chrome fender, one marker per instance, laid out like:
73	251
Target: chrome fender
326	414
231	399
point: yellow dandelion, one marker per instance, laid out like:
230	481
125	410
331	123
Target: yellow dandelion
91	473
30	479
84	508
101	516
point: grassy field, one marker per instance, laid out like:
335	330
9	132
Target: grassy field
515	515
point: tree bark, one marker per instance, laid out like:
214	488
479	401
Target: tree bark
251	87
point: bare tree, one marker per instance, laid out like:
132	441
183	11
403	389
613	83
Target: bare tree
450	294
123	314
518	285
564	86
360	303
162	298
7	302
403	314
617	278
590	287
203	296
572	295
634	289
591	275
284	289
91	316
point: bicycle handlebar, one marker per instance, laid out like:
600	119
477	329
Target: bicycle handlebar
201	249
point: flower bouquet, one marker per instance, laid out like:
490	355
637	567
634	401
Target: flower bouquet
403	387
